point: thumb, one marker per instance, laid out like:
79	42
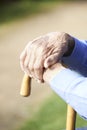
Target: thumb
52	59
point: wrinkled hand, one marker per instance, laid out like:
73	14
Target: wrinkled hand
43	52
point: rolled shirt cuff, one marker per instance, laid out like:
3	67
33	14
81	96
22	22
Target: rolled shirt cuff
78	59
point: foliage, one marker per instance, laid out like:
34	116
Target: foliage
16	10
4	2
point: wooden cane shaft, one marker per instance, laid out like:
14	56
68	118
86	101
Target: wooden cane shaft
71	118
25	86
71	114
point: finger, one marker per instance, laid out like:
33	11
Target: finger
29	59
25	65
52	59
38	70
35	62
39	62
31	65
23	54
26	61
22	59
25	70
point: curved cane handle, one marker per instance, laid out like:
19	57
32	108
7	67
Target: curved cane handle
25	86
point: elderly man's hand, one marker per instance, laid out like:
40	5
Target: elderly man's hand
44	52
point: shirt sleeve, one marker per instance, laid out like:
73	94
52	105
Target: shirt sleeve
72	88
78	59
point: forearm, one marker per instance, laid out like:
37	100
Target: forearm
72	88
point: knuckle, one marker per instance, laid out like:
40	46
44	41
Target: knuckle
64	35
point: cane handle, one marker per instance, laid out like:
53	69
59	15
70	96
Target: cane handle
71	113
25	86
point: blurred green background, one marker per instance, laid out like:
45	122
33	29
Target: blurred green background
20	22
12	9
17	9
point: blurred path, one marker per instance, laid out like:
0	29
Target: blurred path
71	18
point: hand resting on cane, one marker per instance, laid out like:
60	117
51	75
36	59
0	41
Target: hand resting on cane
69	84
45	51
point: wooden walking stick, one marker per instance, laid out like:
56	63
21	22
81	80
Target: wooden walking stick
71	118
71	114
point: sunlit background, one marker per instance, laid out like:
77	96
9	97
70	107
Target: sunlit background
20	22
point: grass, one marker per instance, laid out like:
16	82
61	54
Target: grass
52	116
16	10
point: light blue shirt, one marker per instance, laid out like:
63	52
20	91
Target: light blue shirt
71	84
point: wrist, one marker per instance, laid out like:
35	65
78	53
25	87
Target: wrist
51	72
